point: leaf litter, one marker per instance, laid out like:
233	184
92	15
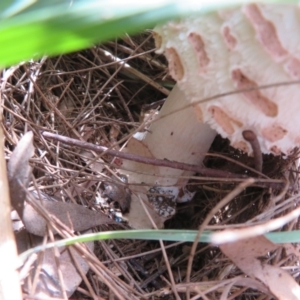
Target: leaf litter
88	96
73	215
245	253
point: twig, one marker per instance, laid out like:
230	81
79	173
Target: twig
251	137
141	159
276	184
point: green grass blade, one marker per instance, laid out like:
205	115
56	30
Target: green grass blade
149	234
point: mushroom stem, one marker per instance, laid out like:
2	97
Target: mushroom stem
176	136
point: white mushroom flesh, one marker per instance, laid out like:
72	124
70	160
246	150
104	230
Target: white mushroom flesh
240	49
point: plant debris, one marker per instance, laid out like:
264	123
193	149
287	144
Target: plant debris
92	97
244	254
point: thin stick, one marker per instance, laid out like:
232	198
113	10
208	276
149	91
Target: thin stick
276	184
141	159
251	137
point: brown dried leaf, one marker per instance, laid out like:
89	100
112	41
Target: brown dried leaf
292	250
137	217
19	171
48	283
245	282
244	252
73	215
22	240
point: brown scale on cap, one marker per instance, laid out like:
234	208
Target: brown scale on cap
242	145
275	150
199	47
225	121
266	32
293	67
175	65
261	102
273	133
268	37
229	39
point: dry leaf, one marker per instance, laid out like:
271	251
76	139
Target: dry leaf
73	215
245	282
244	252
137	218
19	171
292	250
48	283
23	240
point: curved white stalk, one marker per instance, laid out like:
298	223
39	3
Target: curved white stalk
176	137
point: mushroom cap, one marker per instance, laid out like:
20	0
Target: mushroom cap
240	50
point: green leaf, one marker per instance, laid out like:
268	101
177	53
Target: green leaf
33	28
9	8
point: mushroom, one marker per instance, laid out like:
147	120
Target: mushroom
230	50
182	139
